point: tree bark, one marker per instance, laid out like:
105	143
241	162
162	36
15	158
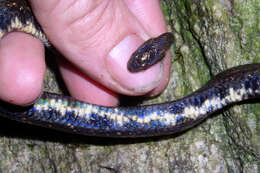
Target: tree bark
210	36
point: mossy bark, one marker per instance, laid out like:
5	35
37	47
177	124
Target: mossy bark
210	37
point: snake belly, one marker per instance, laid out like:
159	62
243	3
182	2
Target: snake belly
68	114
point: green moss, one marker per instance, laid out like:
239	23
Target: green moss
210	37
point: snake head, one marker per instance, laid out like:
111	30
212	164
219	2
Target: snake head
150	52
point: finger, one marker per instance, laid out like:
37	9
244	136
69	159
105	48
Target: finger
85	89
22	68
150	15
98	36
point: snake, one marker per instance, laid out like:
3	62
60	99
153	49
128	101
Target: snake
65	113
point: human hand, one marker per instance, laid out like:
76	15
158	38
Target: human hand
97	39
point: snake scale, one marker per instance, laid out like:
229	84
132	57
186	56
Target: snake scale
68	114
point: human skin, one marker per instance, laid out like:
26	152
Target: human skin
96	38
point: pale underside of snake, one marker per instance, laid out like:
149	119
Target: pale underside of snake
68	114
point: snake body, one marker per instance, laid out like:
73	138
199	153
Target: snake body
68	114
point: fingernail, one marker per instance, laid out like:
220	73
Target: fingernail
118	57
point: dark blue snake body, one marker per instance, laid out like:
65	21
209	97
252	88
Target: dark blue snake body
68	114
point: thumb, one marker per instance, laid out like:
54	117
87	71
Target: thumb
98	37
